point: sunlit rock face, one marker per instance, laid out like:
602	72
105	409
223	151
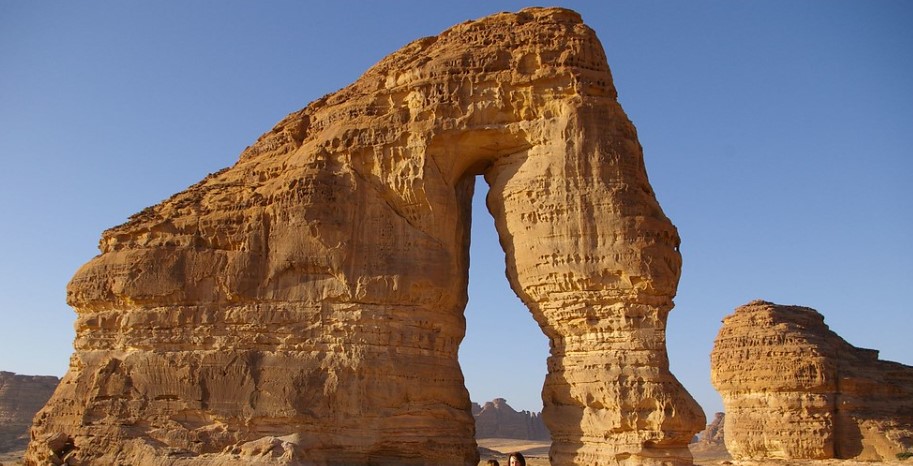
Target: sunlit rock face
305	306
792	388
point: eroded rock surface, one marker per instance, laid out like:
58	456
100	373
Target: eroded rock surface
306	305
792	388
21	396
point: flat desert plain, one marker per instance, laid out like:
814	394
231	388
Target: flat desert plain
536	454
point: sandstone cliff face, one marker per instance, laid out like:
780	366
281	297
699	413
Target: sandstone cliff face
306	305
497	419
21	396
792	388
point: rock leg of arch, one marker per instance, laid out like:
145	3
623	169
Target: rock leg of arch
596	261
305	305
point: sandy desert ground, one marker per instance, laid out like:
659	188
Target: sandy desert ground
536	454
12	457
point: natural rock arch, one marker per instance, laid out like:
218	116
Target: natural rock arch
306	305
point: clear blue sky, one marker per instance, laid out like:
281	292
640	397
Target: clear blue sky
777	136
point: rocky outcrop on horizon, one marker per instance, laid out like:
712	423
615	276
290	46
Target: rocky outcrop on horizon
713	435
305	306
497	419
709	445
21	396
794	389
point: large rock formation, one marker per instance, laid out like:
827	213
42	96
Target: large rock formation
306	305
497	419
792	388
21	396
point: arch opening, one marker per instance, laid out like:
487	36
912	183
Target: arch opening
504	352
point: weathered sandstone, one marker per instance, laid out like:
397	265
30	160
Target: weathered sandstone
792	388
305	306
21	396
497	419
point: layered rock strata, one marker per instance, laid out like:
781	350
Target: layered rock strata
21	396
792	388
305	306
497	419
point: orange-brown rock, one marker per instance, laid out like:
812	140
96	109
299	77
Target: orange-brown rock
306	305
792	388
21	396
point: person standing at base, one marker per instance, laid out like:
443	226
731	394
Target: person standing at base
493	463
516	459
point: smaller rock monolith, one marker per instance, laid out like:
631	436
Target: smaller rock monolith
792	388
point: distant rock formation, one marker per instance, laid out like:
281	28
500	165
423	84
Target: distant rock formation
306	305
21	396
496	419
792	388
709	445
713	436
